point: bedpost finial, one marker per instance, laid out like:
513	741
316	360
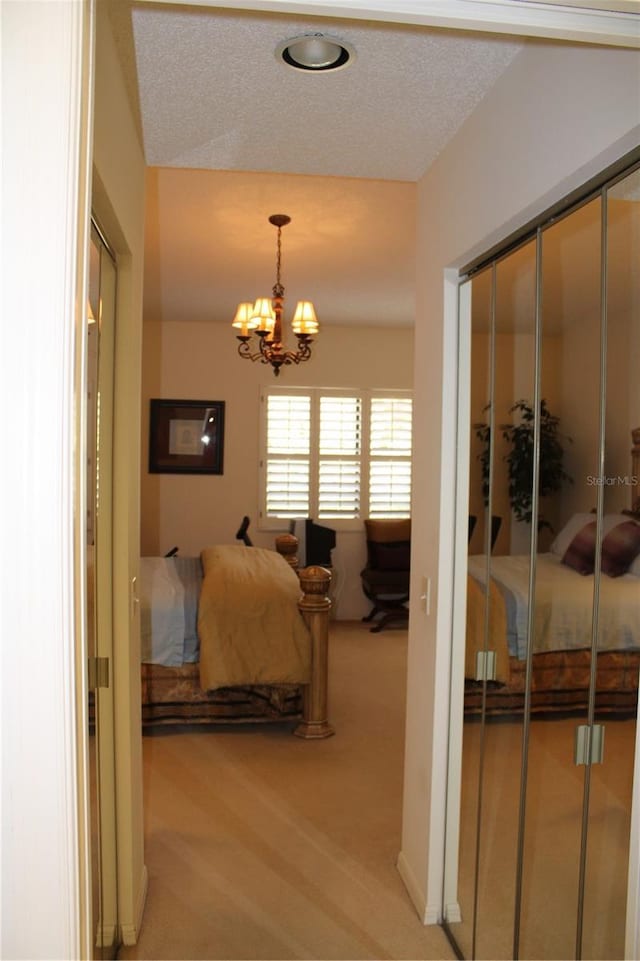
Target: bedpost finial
315	580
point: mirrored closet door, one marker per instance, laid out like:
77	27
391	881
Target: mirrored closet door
544	687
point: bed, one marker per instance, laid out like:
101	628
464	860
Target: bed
235	635
561	634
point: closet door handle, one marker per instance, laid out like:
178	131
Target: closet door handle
589	744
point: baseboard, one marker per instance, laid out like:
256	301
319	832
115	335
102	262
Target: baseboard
452	913
428	914
106	939
130	933
432	915
410	883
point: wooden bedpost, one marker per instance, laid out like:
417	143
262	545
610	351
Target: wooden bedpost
287	547
314	606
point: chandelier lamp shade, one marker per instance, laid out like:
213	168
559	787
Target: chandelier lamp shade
263	318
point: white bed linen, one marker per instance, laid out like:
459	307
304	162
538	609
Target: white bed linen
168	610
161	613
564	604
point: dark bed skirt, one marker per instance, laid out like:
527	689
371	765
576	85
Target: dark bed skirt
560	683
172	695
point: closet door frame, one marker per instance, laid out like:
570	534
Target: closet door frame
451	904
99	484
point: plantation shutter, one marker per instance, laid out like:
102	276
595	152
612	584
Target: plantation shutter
288	455
336	455
390	457
340	452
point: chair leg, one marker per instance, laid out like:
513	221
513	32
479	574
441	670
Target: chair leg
399	614
372	613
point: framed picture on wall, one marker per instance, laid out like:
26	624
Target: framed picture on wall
186	437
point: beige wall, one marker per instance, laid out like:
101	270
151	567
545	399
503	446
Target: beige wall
580	412
581	372
197	361
118	202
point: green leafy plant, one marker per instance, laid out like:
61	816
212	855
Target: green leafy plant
483	433
520	437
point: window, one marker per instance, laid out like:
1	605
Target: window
390	457
335	454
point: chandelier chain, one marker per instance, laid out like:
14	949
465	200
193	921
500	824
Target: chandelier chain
278	289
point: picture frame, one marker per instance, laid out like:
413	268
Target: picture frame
186	436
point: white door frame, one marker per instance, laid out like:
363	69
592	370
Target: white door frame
47	52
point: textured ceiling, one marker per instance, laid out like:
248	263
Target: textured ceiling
213	95
339	152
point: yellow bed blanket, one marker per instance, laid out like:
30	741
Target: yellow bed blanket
476	627
249	625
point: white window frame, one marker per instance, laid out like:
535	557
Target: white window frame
365	395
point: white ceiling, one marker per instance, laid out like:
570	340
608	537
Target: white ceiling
240	136
214	96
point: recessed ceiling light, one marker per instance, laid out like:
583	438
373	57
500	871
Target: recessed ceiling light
316	52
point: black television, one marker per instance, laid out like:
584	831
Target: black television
315	542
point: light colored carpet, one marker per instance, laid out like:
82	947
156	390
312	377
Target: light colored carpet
262	846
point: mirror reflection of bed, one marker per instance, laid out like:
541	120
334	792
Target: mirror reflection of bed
562	621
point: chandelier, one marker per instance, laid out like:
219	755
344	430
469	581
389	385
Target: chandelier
264	319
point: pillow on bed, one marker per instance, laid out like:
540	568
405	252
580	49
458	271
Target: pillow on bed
580	554
573	526
620	547
609	521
